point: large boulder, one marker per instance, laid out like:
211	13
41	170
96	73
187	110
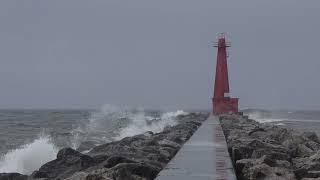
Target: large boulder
263	168
307	166
68	162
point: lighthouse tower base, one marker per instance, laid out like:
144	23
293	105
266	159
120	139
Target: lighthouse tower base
225	105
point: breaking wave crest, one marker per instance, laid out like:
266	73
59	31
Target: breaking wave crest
107	124
263	118
100	126
29	157
113	123
141	123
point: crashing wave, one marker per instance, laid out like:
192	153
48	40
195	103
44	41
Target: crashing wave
107	124
29	157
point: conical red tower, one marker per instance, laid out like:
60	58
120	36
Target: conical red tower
221	101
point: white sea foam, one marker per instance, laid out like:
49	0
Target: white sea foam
114	123
98	128
262	118
100	125
268	120
259	117
141	123
29	157
303	120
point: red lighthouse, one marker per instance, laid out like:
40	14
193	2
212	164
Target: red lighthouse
221	101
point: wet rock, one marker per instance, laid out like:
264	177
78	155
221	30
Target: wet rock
307	166
314	146
311	136
262	168
126	170
114	160
140	157
86	145
170	144
68	162
303	151
265	151
12	176
313	174
285	164
264	171
78	176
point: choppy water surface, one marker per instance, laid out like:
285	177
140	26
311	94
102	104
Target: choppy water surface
30	138
300	120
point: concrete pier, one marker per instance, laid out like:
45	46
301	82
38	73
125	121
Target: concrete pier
204	157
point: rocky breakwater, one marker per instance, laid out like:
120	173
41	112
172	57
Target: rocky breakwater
140	157
266	151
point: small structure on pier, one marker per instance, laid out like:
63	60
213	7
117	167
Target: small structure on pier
221	101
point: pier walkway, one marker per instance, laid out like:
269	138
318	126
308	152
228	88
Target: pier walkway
204	157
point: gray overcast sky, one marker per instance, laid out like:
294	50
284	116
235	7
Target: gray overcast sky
157	54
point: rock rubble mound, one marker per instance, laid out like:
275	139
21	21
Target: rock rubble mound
140	157
266	151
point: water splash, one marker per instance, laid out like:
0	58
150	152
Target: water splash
140	123
101	125
29	157
107	124
114	123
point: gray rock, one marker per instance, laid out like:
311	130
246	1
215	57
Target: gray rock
114	160
264	151
168	143
78	176
86	145
12	176
311	136
68	162
263	168
313	174
314	146
140	157
307	166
